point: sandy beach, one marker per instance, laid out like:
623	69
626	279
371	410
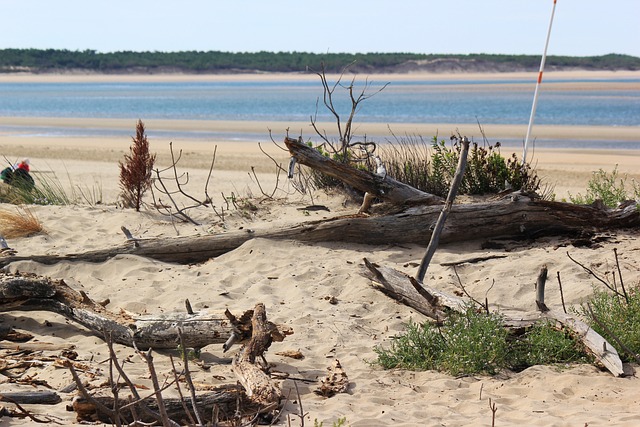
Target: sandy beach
568	170
298	282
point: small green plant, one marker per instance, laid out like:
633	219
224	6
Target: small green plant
341	422
192	353
477	342
466	343
608	187
135	171
543	344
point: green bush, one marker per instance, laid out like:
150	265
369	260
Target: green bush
543	344
608	187
476	342
620	317
431	167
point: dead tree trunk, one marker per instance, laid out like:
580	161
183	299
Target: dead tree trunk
513	217
32	293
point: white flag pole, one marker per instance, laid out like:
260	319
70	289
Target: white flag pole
535	93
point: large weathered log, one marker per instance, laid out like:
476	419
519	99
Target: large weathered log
31	293
515	217
382	187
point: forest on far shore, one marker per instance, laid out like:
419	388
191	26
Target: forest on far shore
61	61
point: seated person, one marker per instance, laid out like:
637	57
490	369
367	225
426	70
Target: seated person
18	175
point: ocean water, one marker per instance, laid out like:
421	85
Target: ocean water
412	101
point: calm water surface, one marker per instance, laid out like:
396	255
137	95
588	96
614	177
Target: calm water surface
463	102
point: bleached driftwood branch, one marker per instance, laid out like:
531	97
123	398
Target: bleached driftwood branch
30	293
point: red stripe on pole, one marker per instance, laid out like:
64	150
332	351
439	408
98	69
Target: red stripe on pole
540	77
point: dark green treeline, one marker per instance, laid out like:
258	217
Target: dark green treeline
55	60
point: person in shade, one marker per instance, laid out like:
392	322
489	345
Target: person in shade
18	175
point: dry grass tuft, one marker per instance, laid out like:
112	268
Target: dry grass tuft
21	223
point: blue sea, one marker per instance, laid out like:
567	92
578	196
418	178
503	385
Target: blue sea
405	101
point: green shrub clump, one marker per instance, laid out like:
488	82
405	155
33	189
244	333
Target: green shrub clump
619	317
608	187
487	170
476	342
430	166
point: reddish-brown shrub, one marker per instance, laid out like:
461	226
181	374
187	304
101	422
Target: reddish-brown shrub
135	171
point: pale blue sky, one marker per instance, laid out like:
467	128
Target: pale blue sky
581	27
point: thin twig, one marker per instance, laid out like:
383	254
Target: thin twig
494	409
592	273
564	308
435	235
132	387
187	376
485	307
176	377
148	357
302	414
624	291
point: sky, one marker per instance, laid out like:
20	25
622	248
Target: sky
580	27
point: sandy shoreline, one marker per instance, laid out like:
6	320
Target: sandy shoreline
75	77
259	130
567	169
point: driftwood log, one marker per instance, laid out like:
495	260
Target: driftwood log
228	401
256	394
516	216
383	187
34	293
38	397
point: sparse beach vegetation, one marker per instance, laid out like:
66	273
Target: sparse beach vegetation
608	187
19	223
430	167
136	169
476	342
